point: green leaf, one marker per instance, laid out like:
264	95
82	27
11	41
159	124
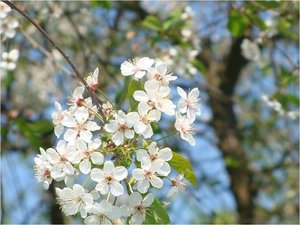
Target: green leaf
106	4
156	214
132	87
183	166
152	23
269	4
200	66
231	162
41	126
237	23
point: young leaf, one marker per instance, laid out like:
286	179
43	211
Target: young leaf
183	166
152	23
157	214
132	87
237	23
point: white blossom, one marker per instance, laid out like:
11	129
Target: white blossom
121	127
42	168
177	185
143	118
189	103
60	159
9	59
137	67
74	200
156	96
102	213
148	174
8	27
185	127
161	73
138	207
79	126
250	50
108	179
154	153
4	10
92	80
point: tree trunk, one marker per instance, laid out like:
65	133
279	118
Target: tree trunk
224	77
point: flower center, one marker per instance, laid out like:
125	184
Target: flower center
109	179
122	127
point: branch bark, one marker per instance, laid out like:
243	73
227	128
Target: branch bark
224	76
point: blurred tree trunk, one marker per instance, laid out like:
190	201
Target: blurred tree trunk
56	216
223	76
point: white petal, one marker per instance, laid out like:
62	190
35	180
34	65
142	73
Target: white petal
118	138
135	198
108	167
97	175
156	182
140	96
86	135
148	200
85	166
129	134
70	135
165	154
116	188
194	94
69	122
181	92
97	158
138	174
120	173
92	126
151	85
143	186
127	68
112	126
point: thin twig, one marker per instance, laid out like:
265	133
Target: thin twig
53	43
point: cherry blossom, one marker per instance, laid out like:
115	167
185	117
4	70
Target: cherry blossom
4	10
143	118
185	127
156	96
74	200
121	127
79	126
161	73
177	185
138	207
189	103
154	153
109	178
87	152
92	80
137	67
9	59
147	174
102	213
60	159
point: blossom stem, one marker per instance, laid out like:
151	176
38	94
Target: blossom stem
108	195
108	99
169	135
85	182
95	113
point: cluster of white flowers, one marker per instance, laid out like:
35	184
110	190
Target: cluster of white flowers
105	156
8	27
277	107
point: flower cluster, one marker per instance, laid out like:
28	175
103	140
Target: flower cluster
8	27
106	157
278	108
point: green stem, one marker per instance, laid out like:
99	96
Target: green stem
169	135
85	182
103	94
